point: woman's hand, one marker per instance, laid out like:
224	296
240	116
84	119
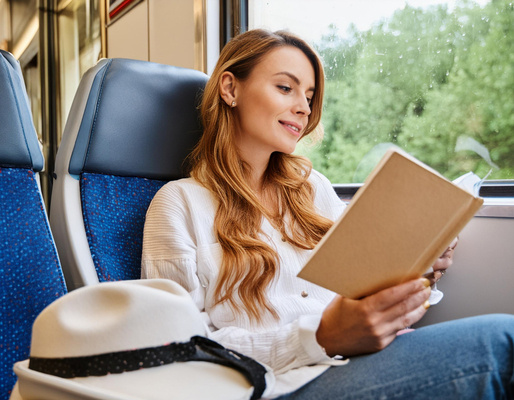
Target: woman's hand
443	263
352	327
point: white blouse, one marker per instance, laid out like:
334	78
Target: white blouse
180	244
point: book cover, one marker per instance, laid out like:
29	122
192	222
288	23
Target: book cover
396	226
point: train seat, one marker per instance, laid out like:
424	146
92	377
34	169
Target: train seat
31	275
131	126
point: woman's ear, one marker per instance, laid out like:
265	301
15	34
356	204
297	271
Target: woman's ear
228	88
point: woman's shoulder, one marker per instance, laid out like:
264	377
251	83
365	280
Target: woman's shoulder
184	183
318	179
181	194
183	188
325	198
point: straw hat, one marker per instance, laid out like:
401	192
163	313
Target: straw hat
132	340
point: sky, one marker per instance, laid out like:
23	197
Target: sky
310	18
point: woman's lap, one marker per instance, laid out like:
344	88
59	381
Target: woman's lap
470	358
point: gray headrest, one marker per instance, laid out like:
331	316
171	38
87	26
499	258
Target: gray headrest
19	146
141	119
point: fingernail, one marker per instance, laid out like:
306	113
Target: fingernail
426	304
426	282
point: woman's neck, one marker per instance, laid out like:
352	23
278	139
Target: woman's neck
264	191
267	195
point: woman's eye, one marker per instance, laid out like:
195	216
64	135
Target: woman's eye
309	100
285	89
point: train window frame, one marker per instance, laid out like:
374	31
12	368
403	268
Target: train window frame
498	197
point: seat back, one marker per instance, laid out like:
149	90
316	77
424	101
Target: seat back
31	275
130	128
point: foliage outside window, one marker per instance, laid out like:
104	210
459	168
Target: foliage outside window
435	81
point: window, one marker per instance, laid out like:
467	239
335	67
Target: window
433	77
79	47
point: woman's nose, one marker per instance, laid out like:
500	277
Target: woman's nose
303	106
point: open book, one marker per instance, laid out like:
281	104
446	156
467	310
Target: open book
396	226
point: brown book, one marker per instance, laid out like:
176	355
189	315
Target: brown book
394	229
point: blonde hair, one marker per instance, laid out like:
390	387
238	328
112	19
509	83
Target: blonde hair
249	264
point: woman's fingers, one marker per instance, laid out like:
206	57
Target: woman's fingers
454	243
409	310
443	263
433	277
351	327
387	298
445	260
413	309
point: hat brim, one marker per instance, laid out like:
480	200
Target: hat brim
185	381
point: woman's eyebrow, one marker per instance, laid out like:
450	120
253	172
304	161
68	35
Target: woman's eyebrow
293	77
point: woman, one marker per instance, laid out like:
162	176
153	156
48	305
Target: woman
238	231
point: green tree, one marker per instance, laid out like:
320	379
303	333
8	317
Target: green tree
421	80
477	101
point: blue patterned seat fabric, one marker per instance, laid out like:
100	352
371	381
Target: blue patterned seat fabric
30	272
114	211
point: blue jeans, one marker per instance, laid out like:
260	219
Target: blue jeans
470	358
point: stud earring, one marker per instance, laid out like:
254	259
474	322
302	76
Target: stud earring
233	103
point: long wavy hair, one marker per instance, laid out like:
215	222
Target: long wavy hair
249	265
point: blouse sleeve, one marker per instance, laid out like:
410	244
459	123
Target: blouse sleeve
169	242
326	199
290	346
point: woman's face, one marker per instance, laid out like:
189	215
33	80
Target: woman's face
273	104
